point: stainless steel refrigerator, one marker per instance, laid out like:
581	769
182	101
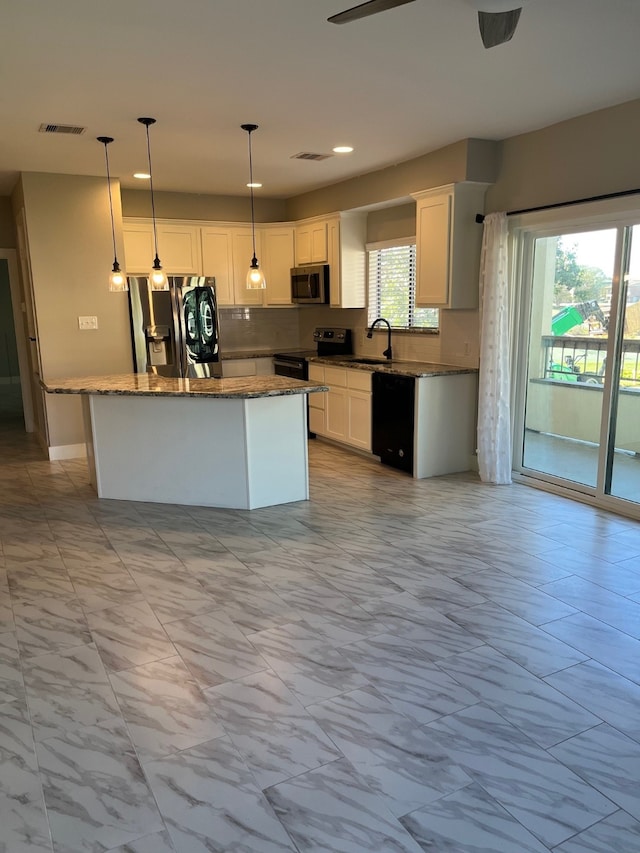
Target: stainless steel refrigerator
175	332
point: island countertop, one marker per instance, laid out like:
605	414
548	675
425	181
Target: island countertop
151	385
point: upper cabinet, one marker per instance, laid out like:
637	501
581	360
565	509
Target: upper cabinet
226	255
178	248
217	261
311	242
448	242
276	260
347	259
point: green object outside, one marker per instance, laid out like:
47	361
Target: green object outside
567	318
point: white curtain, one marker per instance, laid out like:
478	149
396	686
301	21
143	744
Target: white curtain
494	415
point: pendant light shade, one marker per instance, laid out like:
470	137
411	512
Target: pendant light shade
255	276
117	279
157	277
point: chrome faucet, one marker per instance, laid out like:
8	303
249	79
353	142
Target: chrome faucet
387	353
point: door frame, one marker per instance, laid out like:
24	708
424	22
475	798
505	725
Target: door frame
17	304
524	229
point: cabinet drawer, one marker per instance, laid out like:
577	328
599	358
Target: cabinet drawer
359	380
316	372
335	376
317	400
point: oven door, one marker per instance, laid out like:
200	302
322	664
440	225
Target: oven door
295	369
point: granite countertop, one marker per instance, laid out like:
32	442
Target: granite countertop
150	385
249	353
403	368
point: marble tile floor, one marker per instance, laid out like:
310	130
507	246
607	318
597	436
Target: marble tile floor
394	665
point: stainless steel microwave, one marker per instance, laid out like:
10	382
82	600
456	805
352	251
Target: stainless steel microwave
310	284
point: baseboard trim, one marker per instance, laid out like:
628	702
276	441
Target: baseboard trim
67	451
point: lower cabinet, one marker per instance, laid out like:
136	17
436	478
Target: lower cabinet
344	412
246	367
444	428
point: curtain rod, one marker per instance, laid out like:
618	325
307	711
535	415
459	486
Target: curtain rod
621	194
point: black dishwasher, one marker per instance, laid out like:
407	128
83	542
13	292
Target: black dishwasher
392	418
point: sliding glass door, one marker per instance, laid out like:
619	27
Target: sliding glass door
622	472
580	403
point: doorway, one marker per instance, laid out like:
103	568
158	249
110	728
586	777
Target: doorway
579	364
11	411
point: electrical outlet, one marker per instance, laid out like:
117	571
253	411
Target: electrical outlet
85	323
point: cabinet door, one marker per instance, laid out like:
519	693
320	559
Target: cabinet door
311	243
264	366
242	250
217	261
316	419
303	245
319	243
433	251
359	419
179	249
138	249
336	413
239	367
277	258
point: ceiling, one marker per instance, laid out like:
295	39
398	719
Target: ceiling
394	86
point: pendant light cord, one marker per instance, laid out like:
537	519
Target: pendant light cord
253	218
113	228
153	204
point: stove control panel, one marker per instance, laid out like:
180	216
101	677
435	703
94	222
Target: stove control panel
332	341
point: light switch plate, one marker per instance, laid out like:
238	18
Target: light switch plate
85	323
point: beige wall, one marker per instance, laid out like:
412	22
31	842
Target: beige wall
7	227
71	251
191	206
391	223
593	154
467	160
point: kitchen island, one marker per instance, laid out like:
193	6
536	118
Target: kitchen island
238	443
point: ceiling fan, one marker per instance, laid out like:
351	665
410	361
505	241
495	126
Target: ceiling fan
497	18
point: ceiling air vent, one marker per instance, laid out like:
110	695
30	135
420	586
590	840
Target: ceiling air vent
307	155
62	128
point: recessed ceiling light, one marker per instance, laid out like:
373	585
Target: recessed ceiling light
142	175
342	149
254	185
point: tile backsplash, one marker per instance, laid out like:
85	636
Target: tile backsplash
248	327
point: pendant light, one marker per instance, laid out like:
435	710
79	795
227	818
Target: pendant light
157	276
117	279
255	276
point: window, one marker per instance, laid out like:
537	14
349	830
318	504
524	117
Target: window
392	287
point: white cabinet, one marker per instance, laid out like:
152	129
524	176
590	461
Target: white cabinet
344	412
226	255
217	261
317	402
311	242
347	234
277	259
178	248
359	409
139	250
448	242
242	253
232	367
445	424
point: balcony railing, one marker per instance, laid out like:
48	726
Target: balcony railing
570	358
